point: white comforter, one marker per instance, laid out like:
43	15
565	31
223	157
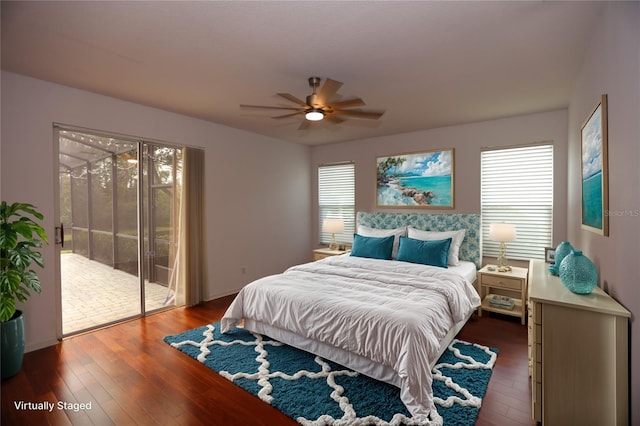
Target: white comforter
394	313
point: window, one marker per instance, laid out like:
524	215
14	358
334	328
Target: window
517	188
336	199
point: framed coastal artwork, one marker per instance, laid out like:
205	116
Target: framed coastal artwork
595	173
419	179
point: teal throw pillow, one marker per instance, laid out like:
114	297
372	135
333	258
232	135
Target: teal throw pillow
432	252
372	247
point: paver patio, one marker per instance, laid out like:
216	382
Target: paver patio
94	294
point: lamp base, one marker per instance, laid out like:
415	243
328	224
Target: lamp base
503	265
333	245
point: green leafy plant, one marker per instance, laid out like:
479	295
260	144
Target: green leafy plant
20	238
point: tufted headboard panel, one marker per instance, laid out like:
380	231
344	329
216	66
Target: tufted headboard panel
471	248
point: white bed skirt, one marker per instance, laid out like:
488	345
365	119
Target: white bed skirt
354	361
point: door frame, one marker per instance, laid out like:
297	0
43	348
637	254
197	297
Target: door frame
143	259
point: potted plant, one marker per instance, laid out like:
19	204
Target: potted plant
20	238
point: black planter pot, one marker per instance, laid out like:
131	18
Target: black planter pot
12	345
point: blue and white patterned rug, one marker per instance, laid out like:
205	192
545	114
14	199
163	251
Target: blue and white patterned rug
288	378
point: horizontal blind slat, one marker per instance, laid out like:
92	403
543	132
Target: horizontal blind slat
517	188
336	199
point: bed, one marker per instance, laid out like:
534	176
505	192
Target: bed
387	316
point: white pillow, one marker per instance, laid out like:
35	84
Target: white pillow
378	233
456	240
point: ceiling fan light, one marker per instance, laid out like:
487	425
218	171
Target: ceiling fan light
314	114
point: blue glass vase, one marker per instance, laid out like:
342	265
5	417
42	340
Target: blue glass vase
578	273
563	249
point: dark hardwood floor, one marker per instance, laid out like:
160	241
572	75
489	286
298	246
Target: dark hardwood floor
128	375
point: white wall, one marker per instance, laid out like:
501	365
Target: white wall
467	140
612	66
257	188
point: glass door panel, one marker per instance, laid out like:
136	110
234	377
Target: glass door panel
99	277
161	198
121	229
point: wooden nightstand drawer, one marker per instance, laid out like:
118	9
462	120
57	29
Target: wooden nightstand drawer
318	256
504	282
325	252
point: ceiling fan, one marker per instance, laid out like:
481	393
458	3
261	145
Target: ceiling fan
318	106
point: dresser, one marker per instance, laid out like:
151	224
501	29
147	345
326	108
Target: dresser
578	354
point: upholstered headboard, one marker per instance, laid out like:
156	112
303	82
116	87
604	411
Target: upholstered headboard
471	248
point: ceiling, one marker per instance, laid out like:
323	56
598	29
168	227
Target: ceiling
427	64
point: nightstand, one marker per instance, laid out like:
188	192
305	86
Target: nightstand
513	282
321	253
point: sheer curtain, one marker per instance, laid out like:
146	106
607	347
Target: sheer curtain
190	262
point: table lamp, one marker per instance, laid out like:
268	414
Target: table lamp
502	232
333	226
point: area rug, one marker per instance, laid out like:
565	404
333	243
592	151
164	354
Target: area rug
288	378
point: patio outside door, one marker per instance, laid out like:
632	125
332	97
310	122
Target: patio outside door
119	200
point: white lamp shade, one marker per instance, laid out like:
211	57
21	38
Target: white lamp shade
502	232
333	226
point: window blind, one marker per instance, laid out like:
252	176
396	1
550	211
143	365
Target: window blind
517	188
336	199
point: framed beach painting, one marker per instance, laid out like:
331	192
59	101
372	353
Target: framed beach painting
595	182
419	179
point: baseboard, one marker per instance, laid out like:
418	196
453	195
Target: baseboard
221	295
39	345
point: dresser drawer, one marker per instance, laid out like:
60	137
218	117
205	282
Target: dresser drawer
503	282
537	314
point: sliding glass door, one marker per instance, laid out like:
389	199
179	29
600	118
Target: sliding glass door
162	178
119	200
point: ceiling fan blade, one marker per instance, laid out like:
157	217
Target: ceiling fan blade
304	124
293	99
289	115
270	107
328	91
333	118
359	114
347	104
